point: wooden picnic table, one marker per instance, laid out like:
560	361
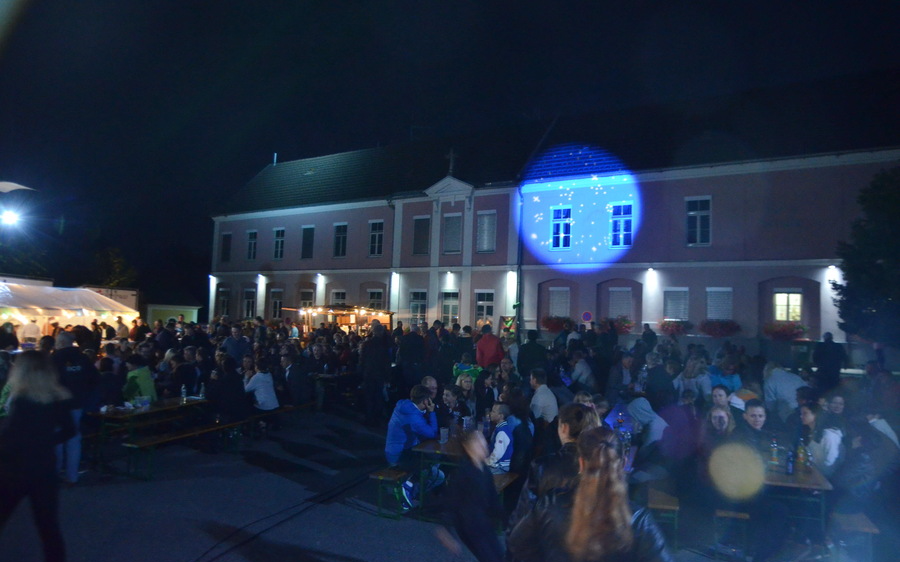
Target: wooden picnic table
806	486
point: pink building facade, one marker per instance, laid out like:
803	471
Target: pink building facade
752	242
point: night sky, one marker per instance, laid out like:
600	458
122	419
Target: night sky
132	118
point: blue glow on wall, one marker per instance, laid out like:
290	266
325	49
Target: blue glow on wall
581	208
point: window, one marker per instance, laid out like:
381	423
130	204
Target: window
249	304
484	307
621	225
675	304
251	244
620	302
307	298
418	303
698	220
559	301
340	240
307	241
453	234
788	305
338	297
376	299
486	232
561	234
421	236
225	248
719	303
276	300
450	307
223	301
376	238
279	245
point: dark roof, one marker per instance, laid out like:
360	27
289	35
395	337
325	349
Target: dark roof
835	115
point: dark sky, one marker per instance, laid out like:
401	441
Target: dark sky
131	116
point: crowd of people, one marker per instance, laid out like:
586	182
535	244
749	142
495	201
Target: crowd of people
540	409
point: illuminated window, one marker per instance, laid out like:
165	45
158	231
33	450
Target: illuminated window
376	238
788	305
452	234
338	297
376	299
486	232
418	304
223	301
699	214
279	244
561	225
307	241
621	224
421	236
340	240
675	304
484	307
251	245
225	248
276	300
449	307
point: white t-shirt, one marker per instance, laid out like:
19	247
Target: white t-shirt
263	389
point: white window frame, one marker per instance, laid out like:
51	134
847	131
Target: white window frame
484	308
425	242
375	303
311	301
252	238
340	240
486	232
223	300
276	302
667	308
335	294
693	220
248	302
311	230
621	226
456	246
449	310
787	306
418	307
560	228
376	239
711	295
278	234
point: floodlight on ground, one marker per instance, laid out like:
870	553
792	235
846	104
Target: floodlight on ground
9	217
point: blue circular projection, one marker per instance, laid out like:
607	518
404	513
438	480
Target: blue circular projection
581	208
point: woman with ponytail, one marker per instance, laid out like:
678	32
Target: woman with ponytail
593	520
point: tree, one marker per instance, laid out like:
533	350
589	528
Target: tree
869	299
112	270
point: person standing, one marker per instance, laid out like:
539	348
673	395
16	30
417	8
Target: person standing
80	377
488	350
39	418
829	357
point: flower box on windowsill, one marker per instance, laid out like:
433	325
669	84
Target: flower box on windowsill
784	330
675	327
623	324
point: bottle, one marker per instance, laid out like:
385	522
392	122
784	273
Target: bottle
773	456
801	453
789	463
183	394
202	391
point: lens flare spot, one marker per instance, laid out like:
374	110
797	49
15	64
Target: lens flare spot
737	471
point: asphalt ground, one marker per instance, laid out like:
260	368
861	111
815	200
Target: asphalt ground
302	493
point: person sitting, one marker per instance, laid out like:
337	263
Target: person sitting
717	429
649	463
592	519
501	440
466	384
413	419
261	385
751	432
582	377
452	408
139	381
823	438
725	373
781	390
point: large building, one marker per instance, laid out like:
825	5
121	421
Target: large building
737	221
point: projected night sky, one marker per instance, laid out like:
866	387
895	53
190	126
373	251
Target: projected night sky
581	208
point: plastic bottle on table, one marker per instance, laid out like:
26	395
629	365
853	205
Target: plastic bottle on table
183	394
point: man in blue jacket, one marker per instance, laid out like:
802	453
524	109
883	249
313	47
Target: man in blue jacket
412	421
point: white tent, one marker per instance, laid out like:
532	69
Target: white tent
20	303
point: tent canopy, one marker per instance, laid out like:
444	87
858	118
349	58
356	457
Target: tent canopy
79	305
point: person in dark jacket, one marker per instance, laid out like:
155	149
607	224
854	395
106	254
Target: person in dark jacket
78	375
226	392
471	504
375	360
39	418
592	520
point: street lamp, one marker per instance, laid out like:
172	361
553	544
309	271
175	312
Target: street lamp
9	217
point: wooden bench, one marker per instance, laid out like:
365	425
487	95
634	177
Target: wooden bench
149	443
389	480
666	509
733	515
856	524
502	480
